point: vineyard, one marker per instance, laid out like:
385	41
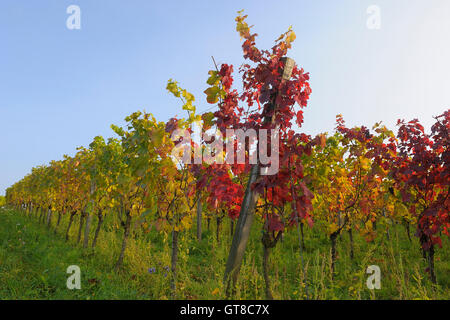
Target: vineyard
154	214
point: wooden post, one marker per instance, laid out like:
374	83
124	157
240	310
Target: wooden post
245	220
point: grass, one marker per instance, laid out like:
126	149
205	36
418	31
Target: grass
34	260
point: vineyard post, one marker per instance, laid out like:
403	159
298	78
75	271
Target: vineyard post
89	217
199	219
49	217
245	219
87	229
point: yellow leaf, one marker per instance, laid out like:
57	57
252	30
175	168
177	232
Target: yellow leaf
215	291
401	209
291	37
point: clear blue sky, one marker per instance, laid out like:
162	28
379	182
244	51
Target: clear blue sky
59	88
